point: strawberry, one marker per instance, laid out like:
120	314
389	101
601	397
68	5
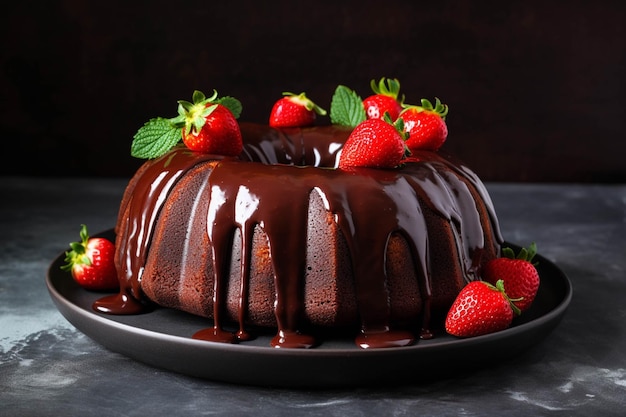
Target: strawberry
520	276
294	111
373	143
384	100
480	308
206	125
209	127
91	262
425	125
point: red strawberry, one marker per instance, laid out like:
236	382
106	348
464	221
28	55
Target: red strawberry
91	262
425	125
520	276
294	111
209	127
374	143
384	100
480	308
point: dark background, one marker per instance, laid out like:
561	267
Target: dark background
535	89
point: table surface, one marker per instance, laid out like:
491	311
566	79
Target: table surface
47	367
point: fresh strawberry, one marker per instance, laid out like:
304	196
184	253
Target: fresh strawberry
425	125
209	127
480	308
294	111
384	100
520	276
206	125
91	262
374	143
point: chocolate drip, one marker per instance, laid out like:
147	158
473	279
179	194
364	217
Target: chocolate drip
139	217
369	206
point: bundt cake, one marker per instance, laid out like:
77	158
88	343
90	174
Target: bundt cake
301	227
277	237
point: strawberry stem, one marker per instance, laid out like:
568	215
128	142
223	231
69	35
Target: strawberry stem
192	116
525	254
500	287
439	108
77	253
387	87
306	102
398	124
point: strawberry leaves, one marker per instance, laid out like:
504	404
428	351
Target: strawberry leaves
385	99
77	253
387	87
525	254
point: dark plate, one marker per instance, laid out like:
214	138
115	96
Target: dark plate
161	338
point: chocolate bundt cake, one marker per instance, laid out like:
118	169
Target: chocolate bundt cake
278	238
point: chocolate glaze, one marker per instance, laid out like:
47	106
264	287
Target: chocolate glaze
269	186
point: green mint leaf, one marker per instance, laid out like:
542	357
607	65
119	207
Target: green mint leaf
231	104
155	138
346	107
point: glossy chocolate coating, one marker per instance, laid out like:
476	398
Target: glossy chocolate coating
269	186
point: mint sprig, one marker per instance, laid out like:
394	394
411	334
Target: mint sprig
232	104
157	136
346	107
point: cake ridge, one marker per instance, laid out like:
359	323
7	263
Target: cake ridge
142	211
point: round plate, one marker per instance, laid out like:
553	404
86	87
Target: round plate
162	338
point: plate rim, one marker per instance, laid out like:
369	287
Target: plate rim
545	322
